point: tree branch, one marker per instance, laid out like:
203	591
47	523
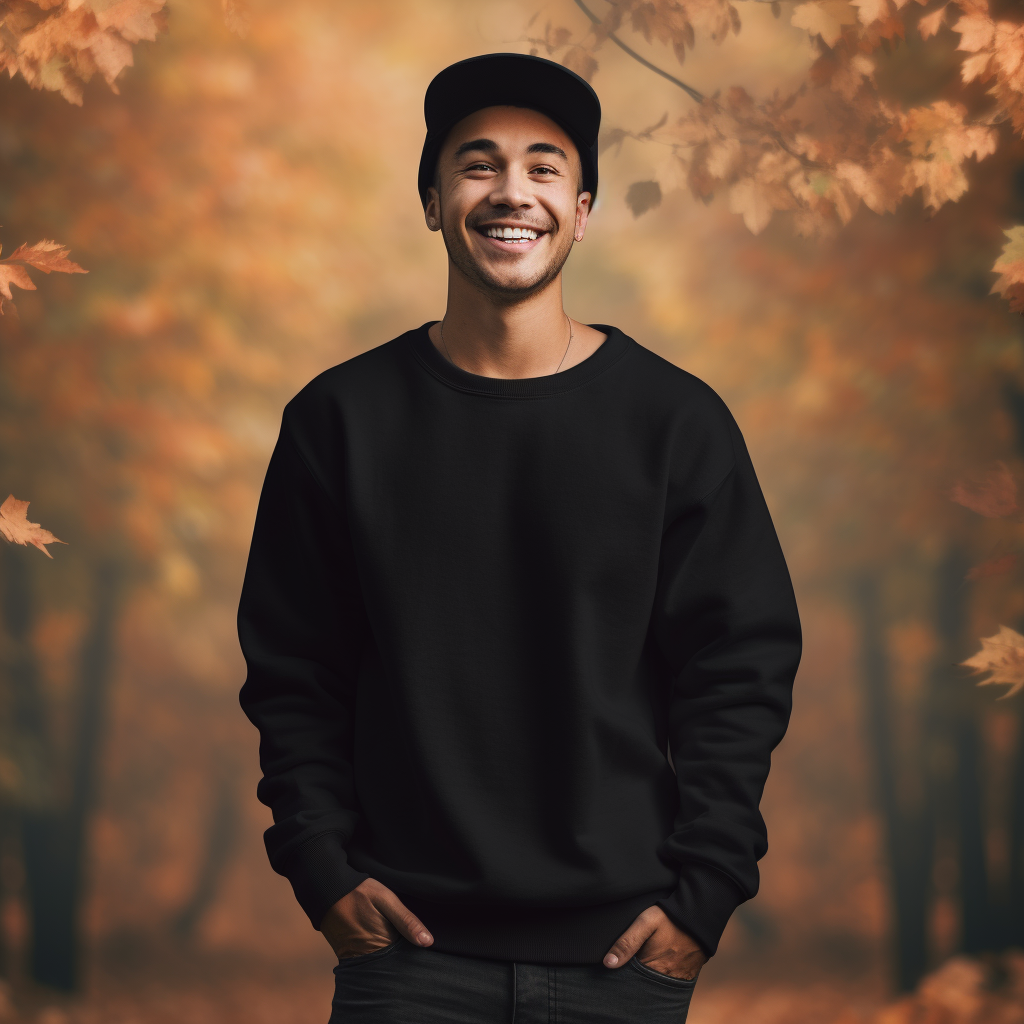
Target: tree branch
688	89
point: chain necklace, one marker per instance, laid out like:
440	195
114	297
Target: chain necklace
557	368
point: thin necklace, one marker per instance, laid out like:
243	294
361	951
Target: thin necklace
560	361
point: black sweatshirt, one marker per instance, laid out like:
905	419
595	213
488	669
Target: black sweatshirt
477	615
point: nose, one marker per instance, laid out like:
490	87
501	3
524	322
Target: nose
511	189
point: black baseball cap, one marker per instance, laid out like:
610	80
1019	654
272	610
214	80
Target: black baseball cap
511	79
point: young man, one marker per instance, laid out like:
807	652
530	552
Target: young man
520	635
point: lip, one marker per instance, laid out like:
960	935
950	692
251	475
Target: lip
508	244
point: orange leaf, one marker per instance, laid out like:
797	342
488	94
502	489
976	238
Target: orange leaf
16	275
14	525
46	256
931	23
1010	267
976	32
1002	656
993	497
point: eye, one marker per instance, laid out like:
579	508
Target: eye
480	167
544	169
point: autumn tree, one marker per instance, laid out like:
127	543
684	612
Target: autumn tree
902	105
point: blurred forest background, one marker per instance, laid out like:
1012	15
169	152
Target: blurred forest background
801	203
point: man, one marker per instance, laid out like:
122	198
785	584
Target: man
520	635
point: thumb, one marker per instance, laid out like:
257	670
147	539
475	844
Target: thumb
408	924
631	940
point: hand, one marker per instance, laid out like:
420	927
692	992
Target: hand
658	944
370	917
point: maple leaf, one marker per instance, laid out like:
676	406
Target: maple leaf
643	196
931	23
1010	267
1002	657
870	11
16	528
881	186
47	256
995	496
60	44
752	199
580	60
824	18
976	32
13	275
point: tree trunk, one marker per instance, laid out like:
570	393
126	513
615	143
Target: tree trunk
55	840
908	832
1014	920
979	928
221	836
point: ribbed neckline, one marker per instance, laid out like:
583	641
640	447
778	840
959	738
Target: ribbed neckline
615	346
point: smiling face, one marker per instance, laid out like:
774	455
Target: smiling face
507	200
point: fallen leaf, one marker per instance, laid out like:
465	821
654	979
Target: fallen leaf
1002	656
14	525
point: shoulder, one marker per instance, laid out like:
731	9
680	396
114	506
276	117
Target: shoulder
692	423
372	369
675	388
317	421
678	398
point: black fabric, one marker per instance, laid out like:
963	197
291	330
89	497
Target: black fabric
403	984
510	79
478	613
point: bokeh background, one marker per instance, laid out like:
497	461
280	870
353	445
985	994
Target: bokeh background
245	207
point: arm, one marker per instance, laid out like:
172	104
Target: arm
302	630
726	622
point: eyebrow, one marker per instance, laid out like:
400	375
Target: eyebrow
489	146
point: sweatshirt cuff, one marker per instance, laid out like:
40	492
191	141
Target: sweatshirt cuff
702	904
320	874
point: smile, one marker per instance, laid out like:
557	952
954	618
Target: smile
511	234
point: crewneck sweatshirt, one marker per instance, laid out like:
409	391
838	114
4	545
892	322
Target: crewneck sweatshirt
518	649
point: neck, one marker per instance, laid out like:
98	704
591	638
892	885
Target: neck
494	338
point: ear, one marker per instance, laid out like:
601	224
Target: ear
582	215
432	211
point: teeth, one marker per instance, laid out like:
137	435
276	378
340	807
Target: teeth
512	234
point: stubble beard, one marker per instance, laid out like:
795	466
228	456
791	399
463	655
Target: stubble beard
508	291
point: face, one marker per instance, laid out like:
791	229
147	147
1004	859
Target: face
507	200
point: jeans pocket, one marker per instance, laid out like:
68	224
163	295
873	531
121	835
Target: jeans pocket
664	979
375	954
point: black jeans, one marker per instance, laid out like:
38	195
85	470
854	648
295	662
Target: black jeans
405	984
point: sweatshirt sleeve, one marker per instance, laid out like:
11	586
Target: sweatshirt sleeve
302	629
726	620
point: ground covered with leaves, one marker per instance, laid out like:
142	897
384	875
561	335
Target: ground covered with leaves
156	984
